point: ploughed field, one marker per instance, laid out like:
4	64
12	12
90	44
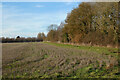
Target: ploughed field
53	60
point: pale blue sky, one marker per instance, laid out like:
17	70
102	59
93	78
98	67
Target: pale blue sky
27	19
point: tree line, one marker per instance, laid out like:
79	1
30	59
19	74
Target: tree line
89	23
40	37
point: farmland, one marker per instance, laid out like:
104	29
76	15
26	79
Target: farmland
54	60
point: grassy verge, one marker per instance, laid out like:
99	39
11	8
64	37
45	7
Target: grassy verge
103	50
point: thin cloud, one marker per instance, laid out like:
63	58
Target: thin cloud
16	23
68	3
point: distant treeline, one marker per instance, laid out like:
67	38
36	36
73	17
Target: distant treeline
89	23
39	38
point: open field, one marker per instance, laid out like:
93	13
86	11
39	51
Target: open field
53	60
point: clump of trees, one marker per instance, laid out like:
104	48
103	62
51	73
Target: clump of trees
40	37
55	32
89	23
